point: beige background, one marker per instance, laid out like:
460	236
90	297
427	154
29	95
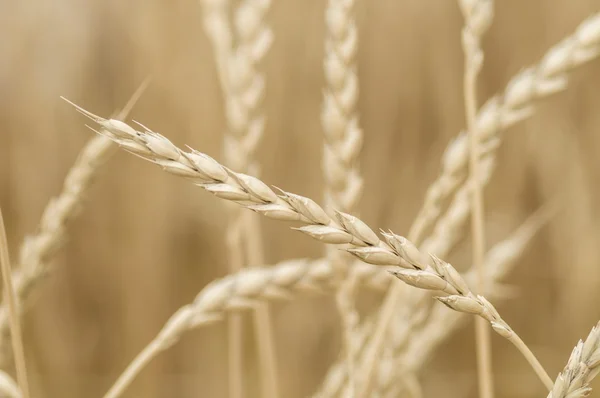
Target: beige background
146	242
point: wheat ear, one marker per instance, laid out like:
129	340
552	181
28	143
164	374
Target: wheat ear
415	268
13	312
37	250
343	140
419	328
478	15
517	102
243	88
583	365
498	113
242	291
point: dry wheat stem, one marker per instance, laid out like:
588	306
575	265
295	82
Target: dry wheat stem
37	251
419	327
242	291
478	16
414	267
13	313
583	365
498	113
342	144
243	88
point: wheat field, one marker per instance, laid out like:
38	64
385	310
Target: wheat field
350	103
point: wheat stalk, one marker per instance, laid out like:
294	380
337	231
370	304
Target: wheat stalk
583	365
343	140
497	114
478	16
419	327
37	251
247	84
13	312
415	268
243	291
219	31
243	87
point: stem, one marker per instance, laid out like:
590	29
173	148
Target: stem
473	62
15	326
533	361
134	368
263	323
234	322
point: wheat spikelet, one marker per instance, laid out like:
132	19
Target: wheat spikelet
583	365
242	291
420	327
37	250
343	140
498	113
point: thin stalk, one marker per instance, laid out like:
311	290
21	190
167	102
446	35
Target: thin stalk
482	330
533	361
478	17
263	325
15	325
139	363
235	361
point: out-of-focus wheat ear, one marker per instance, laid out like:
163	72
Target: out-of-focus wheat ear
478	15
13	313
549	76
37	251
342	145
516	103
240	292
243	89
583	365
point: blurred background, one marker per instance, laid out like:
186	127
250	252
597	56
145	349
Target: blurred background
146	243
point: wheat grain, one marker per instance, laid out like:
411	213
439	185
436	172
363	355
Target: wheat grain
582	367
343	140
242	291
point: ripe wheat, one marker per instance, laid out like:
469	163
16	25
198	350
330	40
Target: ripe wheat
415	268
